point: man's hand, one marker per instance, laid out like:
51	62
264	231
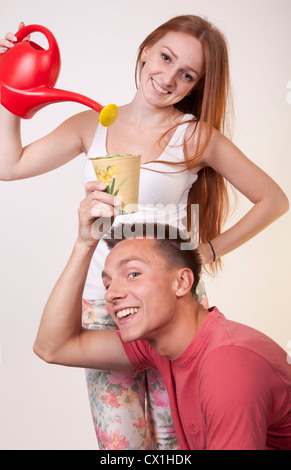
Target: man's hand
100	207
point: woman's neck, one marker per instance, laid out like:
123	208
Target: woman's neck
143	115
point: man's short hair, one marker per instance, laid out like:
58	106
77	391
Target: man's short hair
169	242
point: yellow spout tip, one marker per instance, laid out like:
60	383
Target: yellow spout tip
108	115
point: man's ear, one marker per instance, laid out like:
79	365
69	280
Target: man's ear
184	281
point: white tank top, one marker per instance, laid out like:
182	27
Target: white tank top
162	196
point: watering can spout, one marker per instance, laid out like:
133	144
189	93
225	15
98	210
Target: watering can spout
31	101
26	103
54	95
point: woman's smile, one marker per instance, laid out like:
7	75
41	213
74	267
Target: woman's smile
158	88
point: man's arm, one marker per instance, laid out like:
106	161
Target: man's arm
61	338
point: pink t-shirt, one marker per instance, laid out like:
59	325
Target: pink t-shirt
229	390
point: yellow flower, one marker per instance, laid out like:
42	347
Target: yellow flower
106	176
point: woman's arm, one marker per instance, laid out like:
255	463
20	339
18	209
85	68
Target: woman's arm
67	141
270	202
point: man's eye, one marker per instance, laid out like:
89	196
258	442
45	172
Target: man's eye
133	275
165	57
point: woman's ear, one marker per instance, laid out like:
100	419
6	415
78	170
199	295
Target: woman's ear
144	54
184	281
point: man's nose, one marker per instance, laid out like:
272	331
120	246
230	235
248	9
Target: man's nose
114	292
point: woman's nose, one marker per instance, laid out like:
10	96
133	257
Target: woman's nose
170	78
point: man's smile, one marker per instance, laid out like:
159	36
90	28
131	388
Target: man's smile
125	312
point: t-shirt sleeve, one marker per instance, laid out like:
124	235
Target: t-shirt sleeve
235	399
140	354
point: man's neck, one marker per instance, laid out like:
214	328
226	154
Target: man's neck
188	319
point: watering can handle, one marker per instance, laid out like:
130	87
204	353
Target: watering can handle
26	30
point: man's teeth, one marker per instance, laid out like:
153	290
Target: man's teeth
158	88
127	311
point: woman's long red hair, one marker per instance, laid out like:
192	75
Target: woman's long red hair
208	104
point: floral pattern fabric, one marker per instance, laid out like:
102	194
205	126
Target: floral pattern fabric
130	409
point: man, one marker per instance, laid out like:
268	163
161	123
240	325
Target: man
229	385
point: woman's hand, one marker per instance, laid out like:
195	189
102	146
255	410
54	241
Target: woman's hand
96	213
9	40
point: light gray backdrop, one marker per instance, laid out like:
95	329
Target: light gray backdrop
44	406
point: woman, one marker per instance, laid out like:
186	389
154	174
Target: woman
175	121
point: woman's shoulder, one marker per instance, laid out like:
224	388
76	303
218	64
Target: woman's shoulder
195	139
85	124
201	139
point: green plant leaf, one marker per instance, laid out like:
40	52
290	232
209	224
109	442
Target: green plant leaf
123	181
112	186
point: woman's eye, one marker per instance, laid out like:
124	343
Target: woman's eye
187	77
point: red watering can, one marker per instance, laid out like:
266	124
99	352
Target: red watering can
28	74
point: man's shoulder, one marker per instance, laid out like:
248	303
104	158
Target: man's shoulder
232	346
226	332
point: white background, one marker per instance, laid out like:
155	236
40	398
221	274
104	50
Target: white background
44	406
